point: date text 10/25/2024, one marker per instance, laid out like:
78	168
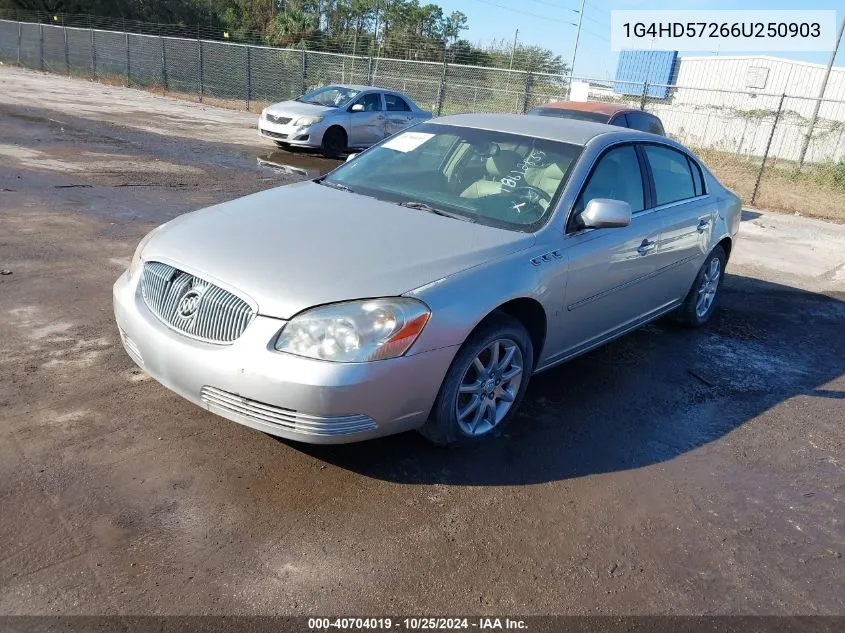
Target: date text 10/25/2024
417	624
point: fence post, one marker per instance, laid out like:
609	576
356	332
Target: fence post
303	69
126	39
645	92
527	93
163	65
248	77
768	145
41	45
67	50
199	67
93	57
441	92
20	33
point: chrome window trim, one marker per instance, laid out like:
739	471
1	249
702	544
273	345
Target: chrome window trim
644	212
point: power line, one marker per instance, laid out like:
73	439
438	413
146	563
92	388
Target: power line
555	5
533	15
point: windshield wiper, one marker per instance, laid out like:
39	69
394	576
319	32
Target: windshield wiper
333	185
422	206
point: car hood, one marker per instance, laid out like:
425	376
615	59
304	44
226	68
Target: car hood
297	108
302	245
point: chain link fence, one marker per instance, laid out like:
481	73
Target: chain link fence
761	145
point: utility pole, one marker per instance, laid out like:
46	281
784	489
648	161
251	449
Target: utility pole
806	144
513	50
577	37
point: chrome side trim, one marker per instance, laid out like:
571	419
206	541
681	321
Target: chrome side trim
610	337
627	284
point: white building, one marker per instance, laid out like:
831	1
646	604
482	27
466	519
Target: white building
730	103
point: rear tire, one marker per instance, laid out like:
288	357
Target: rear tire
334	142
476	402
702	298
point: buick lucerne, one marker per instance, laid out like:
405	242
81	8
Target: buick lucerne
422	283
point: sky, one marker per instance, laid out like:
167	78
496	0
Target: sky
546	23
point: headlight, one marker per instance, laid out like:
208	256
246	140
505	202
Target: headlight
136	258
307	120
356	331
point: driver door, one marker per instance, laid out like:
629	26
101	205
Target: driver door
368	126
612	281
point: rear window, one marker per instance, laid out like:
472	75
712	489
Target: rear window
563	113
645	123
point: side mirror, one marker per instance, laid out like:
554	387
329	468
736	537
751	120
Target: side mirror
604	213
357	108
350	157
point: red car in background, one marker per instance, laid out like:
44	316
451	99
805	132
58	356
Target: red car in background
610	113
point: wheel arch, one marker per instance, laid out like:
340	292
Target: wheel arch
726	243
530	313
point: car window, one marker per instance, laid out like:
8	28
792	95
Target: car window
371	102
644	122
616	176
619	120
490	177
697	177
395	103
671	173
332	96
564	113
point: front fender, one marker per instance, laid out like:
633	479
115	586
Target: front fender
461	301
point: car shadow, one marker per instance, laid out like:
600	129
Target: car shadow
643	399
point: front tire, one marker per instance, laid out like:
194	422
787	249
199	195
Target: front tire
485	384
701	300
334	142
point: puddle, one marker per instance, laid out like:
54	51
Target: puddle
300	165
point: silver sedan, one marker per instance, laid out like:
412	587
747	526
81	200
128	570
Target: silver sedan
339	117
421	284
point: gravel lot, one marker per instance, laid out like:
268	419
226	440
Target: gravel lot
669	472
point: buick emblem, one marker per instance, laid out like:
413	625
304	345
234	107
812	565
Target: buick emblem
188	304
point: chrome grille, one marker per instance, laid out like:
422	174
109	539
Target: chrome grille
286	419
281	120
192	305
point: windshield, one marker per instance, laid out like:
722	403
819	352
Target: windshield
578	115
331	96
495	178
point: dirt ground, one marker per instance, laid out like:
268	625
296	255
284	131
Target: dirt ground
671	472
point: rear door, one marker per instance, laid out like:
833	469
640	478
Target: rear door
398	112
687	212
370	125
611	284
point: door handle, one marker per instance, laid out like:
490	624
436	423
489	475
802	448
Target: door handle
703	223
646	247
381	117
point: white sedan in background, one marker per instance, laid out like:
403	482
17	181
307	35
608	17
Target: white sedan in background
339	117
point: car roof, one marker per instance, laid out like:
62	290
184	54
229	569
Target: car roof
363	88
552	128
590	106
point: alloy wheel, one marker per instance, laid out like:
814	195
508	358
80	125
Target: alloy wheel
489	387
709	286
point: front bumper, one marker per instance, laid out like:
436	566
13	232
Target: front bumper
292	397
310	136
